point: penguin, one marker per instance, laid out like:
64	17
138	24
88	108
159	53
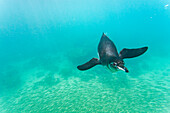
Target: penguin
109	57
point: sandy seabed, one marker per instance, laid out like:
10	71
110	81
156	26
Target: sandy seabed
50	85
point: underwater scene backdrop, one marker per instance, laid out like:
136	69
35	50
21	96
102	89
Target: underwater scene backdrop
43	41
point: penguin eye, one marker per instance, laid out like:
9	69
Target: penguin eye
114	63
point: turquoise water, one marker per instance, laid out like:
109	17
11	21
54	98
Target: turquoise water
42	42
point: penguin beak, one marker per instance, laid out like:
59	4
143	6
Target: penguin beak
123	68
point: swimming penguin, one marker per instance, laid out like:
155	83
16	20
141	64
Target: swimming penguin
109	56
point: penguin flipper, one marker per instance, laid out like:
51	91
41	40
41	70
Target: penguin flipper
89	64
130	53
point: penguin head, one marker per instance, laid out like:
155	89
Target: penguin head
119	64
